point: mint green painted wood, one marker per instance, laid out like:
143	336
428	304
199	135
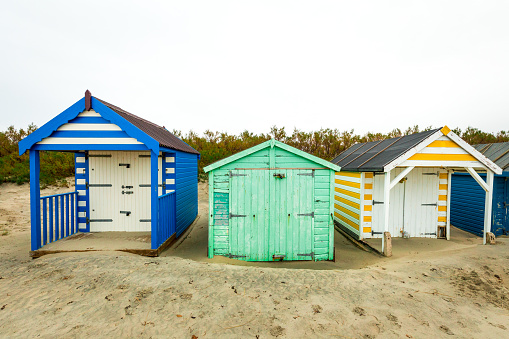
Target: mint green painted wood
255	215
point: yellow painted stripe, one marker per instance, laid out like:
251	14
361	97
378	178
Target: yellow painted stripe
443	143
349	203
443	175
368	175
442	186
442	208
350	213
445	130
368	197
348	221
442	197
443	157
350	194
349	174
442	219
366	229
368	186
368	207
348	183
367	218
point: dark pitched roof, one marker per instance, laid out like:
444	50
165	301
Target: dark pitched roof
498	153
160	134
374	155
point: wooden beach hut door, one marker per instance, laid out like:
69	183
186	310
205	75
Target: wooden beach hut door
271	214
119	190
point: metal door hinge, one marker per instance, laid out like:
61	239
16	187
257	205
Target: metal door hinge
279	175
127	192
98	185
434	233
378	202
99	156
378	173
435	204
145	220
312	214
312	174
312	255
236	256
430	174
99	220
126	213
237	215
373	232
231	174
126	165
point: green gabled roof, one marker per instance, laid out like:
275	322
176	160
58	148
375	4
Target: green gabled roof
271	143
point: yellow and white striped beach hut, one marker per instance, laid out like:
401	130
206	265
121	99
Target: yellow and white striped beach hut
402	185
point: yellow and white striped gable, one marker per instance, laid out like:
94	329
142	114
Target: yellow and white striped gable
444	149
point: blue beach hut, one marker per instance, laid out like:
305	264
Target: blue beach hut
131	175
467	198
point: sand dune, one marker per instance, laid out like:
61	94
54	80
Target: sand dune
460	290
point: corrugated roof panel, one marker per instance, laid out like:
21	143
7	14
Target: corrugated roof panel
496	152
345	153
371	153
160	134
397	149
359	149
374	156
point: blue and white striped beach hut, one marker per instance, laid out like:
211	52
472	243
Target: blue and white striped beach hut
131	175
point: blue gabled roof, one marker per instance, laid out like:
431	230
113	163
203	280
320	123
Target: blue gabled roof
148	133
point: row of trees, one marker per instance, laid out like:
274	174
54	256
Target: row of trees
325	143
213	146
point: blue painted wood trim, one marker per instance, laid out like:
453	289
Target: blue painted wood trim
85	198
51	126
71	113
154	199
35	203
90	147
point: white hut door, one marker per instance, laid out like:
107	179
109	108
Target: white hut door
396	206
421	205
105	180
136	212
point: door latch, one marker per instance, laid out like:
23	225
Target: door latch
126	165
126	213
279	175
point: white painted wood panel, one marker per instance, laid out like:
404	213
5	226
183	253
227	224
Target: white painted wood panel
89	127
90	141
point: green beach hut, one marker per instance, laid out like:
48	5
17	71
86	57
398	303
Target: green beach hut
271	202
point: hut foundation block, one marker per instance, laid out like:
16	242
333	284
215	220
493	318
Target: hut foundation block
490	238
388	244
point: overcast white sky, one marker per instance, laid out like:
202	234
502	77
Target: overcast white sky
236	65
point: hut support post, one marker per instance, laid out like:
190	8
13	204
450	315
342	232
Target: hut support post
488	205
154	200
387	194
35	203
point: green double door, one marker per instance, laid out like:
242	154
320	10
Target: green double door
271	214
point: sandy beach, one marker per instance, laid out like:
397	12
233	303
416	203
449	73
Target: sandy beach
430	288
